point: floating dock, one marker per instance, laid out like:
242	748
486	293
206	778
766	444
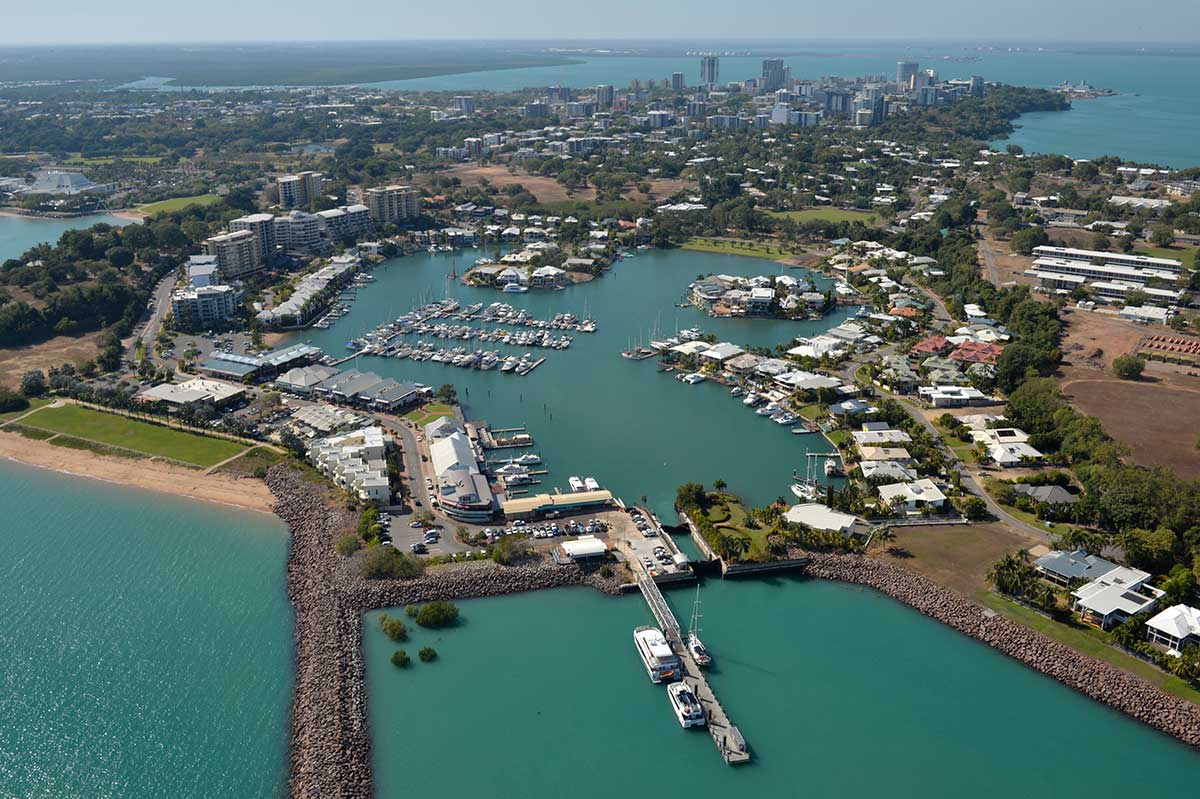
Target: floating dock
725	734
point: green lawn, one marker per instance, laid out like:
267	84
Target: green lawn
1033	520
253	460
429	413
736	247
34	404
178	203
1090	642
105	161
120	431
733	517
828	215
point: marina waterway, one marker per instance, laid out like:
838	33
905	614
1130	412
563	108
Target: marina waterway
19	233
590	411
840	691
146	643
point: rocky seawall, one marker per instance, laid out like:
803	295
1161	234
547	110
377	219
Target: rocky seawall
1101	681
330	745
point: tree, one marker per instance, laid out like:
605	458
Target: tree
1012	574
447	393
347	545
438	614
1128	367
427	654
400	659
732	547
1162	236
11	401
719	485
393	627
975	509
381	563
1023	241
1180	585
33	383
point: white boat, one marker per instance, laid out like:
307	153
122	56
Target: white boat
784	418
751	400
510	363
575	483
528	459
832	467
660	661
515	288
687	707
736	391
694	644
693	378
590	484
805	491
770	409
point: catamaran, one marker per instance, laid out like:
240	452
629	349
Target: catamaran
694	644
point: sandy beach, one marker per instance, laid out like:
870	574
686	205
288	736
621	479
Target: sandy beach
246	493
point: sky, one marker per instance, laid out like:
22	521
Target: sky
1012	21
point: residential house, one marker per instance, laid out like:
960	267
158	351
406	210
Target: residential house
912	497
1174	628
1115	596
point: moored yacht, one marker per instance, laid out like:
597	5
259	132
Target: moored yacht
687	706
832	468
575	483
751	399
736	391
660	660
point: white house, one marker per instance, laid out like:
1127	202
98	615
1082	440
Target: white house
819	517
1176	627
912	497
1115	596
1008	456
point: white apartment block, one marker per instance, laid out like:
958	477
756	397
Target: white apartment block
262	226
238	253
296	191
390	204
298	231
198	307
346	221
355	461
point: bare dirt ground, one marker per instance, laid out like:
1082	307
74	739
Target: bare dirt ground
548	190
1009	266
16	361
1093	339
956	556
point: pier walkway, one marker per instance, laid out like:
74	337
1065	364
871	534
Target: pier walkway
725	734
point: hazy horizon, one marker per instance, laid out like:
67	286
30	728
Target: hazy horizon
225	21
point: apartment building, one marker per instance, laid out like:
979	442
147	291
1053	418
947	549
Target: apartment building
392	204
263	227
298	231
299	190
238	253
202	307
346	221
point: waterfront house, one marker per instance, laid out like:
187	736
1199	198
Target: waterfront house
889	470
1064	568
356	462
820	517
1174	628
802	381
548	277
850	409
719	353
1114	597
743	365
897	454
912	497
874	438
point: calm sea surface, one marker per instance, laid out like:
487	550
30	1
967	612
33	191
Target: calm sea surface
19	233
146	645
839	691
1151	120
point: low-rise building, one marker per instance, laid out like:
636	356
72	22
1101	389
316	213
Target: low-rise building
1114	596
1065	568
191	392
820	517
912	497
355	461
1174	628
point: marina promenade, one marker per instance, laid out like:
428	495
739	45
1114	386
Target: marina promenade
725	734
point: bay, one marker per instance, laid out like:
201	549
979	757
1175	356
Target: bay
19	233
146	644
839	691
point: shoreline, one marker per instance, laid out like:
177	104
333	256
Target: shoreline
146	474
128	214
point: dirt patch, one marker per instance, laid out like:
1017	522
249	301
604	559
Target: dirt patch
17	361
1157	417
548	190
956	556
1092	339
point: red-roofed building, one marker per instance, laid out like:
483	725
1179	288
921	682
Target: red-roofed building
934	345
907	313
977	352
626	224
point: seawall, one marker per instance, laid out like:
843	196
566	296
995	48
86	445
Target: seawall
1094	678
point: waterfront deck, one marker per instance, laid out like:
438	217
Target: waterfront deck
725	734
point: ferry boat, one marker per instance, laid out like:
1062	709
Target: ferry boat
575	483
590	484
687	707
660	661
832	468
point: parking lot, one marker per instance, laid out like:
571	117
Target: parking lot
643	542
225	342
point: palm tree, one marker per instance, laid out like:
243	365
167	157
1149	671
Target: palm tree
732	547
719	485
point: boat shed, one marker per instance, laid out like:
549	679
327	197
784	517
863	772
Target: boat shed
586	547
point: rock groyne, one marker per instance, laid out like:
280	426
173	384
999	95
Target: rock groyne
330	744
1094	678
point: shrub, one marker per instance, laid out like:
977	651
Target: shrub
385	562
427	654
393	627
400	659
606	571
347	545
412	610
11	401
509	550
1129	367
437	614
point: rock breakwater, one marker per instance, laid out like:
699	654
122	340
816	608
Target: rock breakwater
1094	678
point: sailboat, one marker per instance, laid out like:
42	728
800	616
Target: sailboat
694	644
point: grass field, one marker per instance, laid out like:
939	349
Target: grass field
34	404
1178	253
828	215
119	431
178	203
736	247
429	413
136	159
1090	642
252	460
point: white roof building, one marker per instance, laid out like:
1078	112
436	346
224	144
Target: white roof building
722	352
1175	628
1014	454
1114	597
820	517
911	497
198	389
356	461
